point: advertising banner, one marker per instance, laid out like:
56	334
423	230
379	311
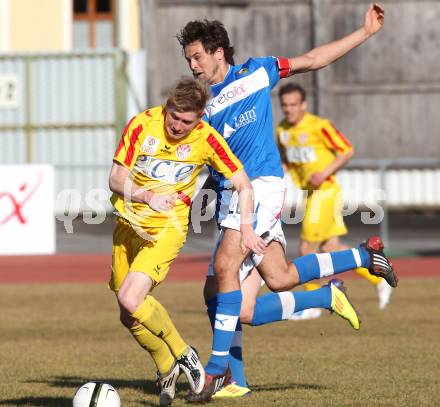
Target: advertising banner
27	222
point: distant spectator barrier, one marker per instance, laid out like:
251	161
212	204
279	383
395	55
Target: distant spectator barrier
69	109
397	184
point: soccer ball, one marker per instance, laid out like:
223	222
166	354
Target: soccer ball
96	394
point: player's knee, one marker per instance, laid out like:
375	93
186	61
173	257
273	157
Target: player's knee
223	271
220	268
128	302
277	285
284	281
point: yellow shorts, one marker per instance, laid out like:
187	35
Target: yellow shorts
323	214
131	252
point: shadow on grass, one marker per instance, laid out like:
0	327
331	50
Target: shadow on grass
48	402
146	386
288	386
38	401
75	382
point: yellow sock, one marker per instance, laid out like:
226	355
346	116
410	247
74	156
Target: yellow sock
156	347
363	272
153	316
311	286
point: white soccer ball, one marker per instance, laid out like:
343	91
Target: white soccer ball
96	394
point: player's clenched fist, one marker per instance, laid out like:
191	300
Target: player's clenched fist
251	241
374	19
162	203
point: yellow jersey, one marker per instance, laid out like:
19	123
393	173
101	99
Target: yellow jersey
309	147
166	166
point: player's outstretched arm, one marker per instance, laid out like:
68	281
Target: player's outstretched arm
324	55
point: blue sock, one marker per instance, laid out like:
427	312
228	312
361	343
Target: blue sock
314	266
236	358
274	307
227	315
211	304
235	354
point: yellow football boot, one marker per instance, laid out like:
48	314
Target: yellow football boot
232	390
341	304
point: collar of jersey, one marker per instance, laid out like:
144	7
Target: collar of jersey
304	121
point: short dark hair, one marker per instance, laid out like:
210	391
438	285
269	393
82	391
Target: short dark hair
291	88
188	95
212	35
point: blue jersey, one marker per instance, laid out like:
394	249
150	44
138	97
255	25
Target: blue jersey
241	110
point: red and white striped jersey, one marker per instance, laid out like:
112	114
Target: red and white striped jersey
310	146
167	166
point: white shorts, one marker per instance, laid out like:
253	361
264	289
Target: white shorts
269	195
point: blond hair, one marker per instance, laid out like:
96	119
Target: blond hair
188	95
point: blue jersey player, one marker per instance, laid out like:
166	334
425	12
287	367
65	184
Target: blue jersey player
241	111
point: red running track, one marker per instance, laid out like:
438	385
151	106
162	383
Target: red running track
79	268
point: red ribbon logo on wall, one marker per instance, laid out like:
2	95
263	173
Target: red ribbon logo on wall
13	203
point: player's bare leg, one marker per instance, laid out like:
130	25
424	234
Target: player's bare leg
276	271
134	289
281	275
227	261
250	288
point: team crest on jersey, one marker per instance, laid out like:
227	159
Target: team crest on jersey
150	144
303	138
284	138
183	151
242	71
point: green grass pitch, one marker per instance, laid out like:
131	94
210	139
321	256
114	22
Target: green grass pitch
55	337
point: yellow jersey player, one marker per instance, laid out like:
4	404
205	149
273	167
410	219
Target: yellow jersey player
312	151
153	178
